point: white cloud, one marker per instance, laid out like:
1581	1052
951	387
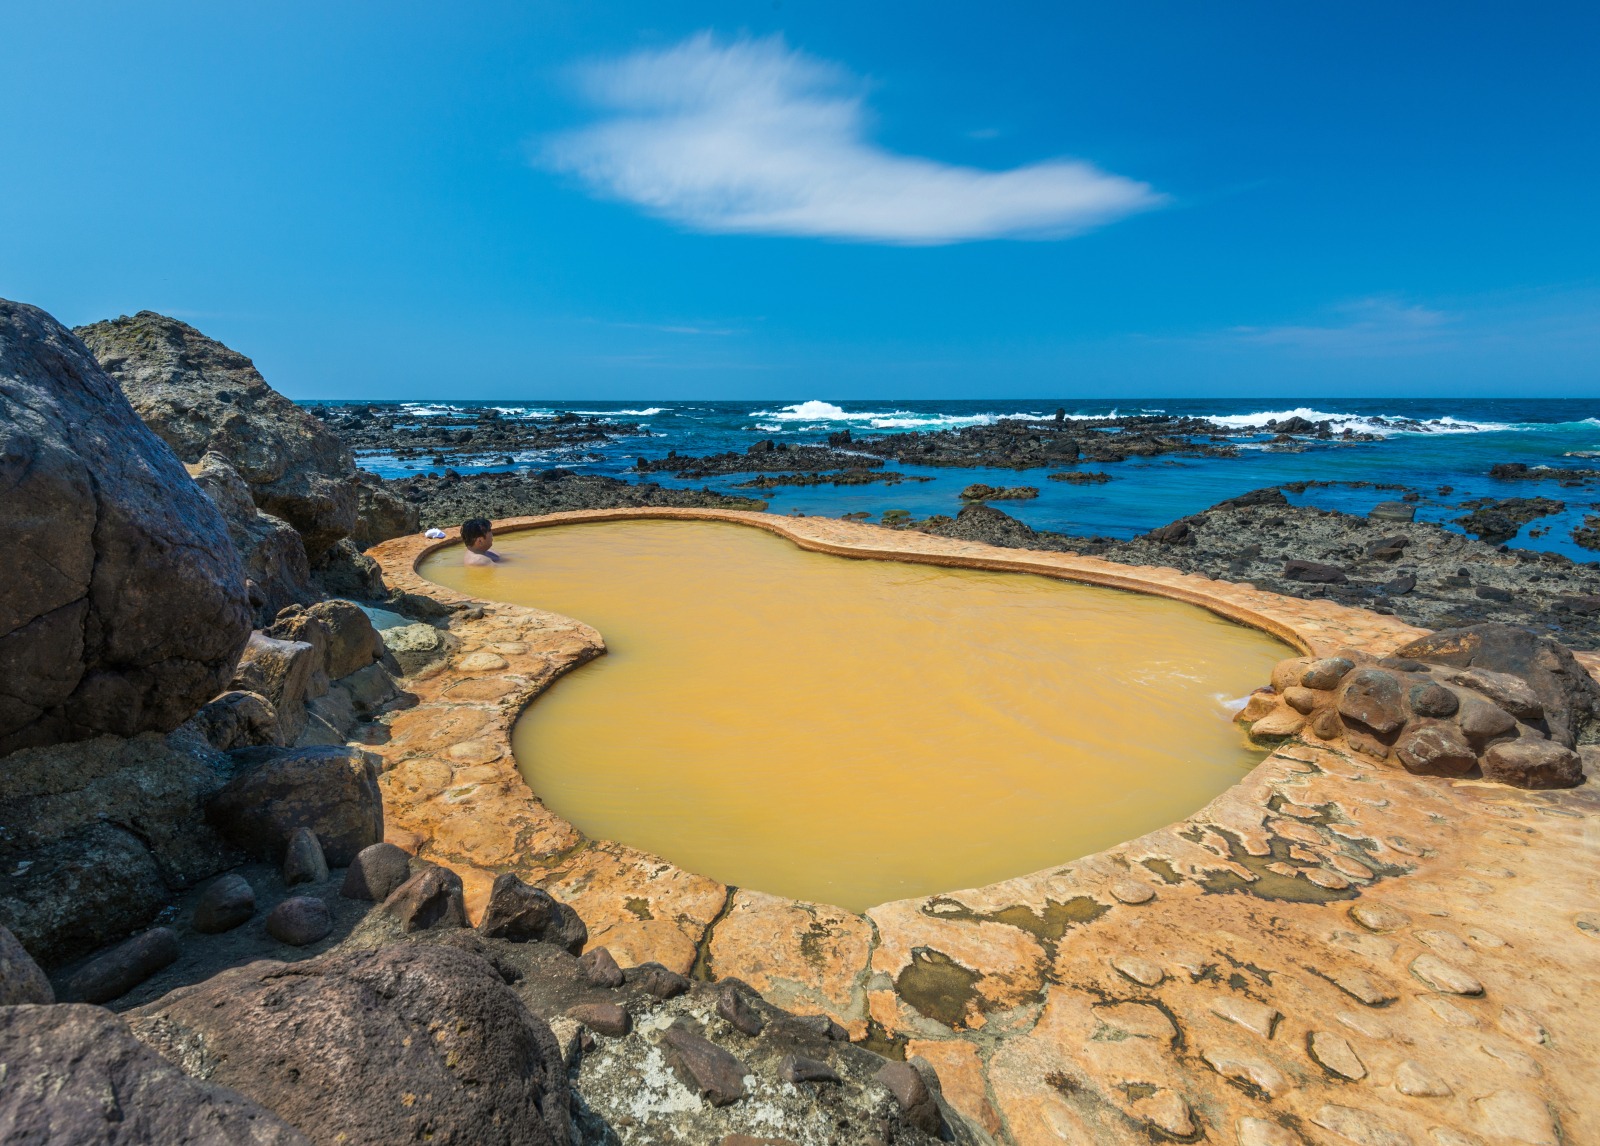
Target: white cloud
1369	325
752	137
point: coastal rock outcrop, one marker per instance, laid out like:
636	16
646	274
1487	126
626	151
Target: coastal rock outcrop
399	1044
274	558
121	613
201	396
74	1073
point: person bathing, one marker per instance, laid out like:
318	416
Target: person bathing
478	536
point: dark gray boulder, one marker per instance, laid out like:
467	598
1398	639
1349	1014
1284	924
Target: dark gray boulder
332	790
21	980
199	395
122	606
399	1044
75	1076
276	570
114	973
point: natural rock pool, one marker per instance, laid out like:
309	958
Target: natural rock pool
852	732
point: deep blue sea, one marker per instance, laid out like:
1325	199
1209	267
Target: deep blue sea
1427	444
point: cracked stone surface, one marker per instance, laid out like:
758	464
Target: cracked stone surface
1331	951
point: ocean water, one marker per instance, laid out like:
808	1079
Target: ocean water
1427	445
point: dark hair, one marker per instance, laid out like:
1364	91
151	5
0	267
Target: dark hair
474	528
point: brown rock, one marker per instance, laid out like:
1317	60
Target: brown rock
238	720
124	967
1482	721
406	1043
299	920
1312	571
21	980
737	1011
224	905
375	873
916	1101
1533	764
1302	700
1325	674
430	898
281	671
76	1075
599	969
1372	696
1279	724
349	639
522	913
1432	699
603	1018
121	614
1327	725
303	861
332	790
1434	748
1511	693
795	1069
704	1067
657	980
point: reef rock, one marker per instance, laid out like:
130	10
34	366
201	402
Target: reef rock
199	396
399	1044
75	1073
122	609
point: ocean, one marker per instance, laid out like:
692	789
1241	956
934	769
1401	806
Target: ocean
1431	446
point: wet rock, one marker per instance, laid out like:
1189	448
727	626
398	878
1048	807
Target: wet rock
200	396
281	671
603	1018
733	1007
704	1067
1500	521
1372	697
430	898
1431	700
797	1069
599	969
224	905
376	872
916	1101
299	920
1434	748
1533	764
1325	674
124	967
126	617
331	790
75	1074
522	914
303	861
409	1043
238	720
21	980
656	980
1392	511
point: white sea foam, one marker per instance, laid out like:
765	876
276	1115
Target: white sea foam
649	413
817	414
1361	424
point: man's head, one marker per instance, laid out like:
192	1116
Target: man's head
477	534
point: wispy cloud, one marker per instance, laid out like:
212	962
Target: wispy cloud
753	137
1365	326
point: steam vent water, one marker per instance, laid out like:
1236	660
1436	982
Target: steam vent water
851	731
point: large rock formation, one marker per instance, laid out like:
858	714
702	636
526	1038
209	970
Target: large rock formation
200	396
395	1045
75	1074
121	610
277	574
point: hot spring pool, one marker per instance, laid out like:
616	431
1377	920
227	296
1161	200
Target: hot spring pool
852	732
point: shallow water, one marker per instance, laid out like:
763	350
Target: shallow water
853	732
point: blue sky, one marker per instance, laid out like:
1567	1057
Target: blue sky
796	200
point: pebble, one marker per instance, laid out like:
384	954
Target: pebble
1378	916
226	903
124	967
1333	1053
1413	1079
303	861
299	920
1442	976
1141	971
1248	1013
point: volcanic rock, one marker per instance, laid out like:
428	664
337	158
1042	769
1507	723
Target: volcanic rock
332	790
1372	696
75	1074
281	671
21	980
269	548
227	903
603	1018
299	920
431	898
238	719
124	967
123	613
303	861
199	396
521	913
376	872
599	969
704	1067
400	1044
1435	748
1528	763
